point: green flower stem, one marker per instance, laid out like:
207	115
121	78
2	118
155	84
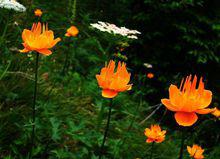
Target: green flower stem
152	149
34	105
106	129
74	11
182	145
5	28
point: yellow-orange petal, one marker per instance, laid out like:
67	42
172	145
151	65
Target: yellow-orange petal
55	41
216	112
185	118
24	50
129	87
107	93
45	52
189	149
206	99
175	96
168	105
205	111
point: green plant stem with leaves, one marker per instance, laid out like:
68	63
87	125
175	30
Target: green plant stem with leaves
34	105
131	123
106	129
73	17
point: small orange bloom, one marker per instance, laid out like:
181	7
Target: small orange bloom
195	151
39	39
114	82
38	13
154	134
72	31
187	101
150	75
216	113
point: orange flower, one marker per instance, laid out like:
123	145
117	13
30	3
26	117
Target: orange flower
187	101
154	134
38	12
216	112
195	151
150	75
39	39
114	82
72	31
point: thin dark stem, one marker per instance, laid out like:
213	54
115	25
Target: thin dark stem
65	65
182	145
106	129
34	105
152	149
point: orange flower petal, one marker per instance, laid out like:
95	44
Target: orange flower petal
67	34
168	105
185	118
189	149
39	39
175	96
24	50
45	52
149	140
205	111
216	112
114	79
107	93
206	99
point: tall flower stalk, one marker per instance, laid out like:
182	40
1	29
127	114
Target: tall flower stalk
34	105
152	150
106	128
40	40
182	145
187	101
112	80
71	32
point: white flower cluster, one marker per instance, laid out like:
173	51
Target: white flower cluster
113	29
12	4
148	65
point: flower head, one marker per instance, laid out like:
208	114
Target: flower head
188	100
114	81
195	151
150	75
113	29
38	13
216	112
12	5
155	134
39	39
72	31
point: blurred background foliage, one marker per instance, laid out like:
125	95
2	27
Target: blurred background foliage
179	37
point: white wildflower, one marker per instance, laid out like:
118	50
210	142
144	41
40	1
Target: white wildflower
148	65
113	29
132	37
13	5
